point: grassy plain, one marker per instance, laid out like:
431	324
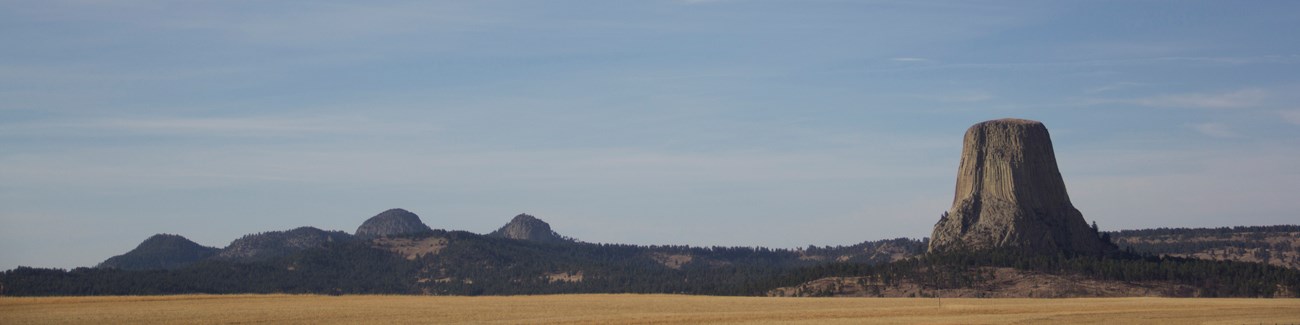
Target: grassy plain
637	309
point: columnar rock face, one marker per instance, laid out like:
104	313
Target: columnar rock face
393	222
1010	194
526	227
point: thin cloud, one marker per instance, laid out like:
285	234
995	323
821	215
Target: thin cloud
215	125
1156	187
1236	99
909	59
1234	60
1093	64
206	126
1115	86
968	97
1217	130
1291	116
246	166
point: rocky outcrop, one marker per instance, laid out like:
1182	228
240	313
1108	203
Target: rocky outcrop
267	245
394	222
526	227
160	252
1011	194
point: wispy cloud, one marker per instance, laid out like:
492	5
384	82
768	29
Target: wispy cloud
205	126
1122	85
1291	116
216	125
1234	60
1235	99
1117	48
691	2
189	165
967	97
1217	130
1160	186
1093	66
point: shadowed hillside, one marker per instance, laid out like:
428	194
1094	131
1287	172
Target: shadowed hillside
162	251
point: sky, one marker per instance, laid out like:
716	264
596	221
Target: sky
732	123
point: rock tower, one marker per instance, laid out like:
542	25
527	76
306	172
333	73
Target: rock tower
1010	194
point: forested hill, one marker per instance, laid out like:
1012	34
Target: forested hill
1275	245
462	263
162	251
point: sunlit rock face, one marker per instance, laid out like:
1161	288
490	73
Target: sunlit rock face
1010	194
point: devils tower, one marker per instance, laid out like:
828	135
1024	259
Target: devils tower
1010	195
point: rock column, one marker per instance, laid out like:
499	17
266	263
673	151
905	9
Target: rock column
1011	194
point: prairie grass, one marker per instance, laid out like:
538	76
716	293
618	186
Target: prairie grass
637	309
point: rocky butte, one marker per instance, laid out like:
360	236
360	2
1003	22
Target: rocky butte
527	227
392	222
1010	194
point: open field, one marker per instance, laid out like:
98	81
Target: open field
637	309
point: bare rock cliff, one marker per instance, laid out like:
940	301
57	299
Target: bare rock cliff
1010	194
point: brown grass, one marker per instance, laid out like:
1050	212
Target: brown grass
638	309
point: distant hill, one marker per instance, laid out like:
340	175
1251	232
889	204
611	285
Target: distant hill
1168	262
870	252
438	262
161	251
518	261
271	244
1009	273
527	227
528	257
463	263
1274	245
393	222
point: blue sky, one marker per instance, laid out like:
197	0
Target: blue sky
735	123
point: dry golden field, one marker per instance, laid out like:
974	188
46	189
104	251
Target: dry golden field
638	309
